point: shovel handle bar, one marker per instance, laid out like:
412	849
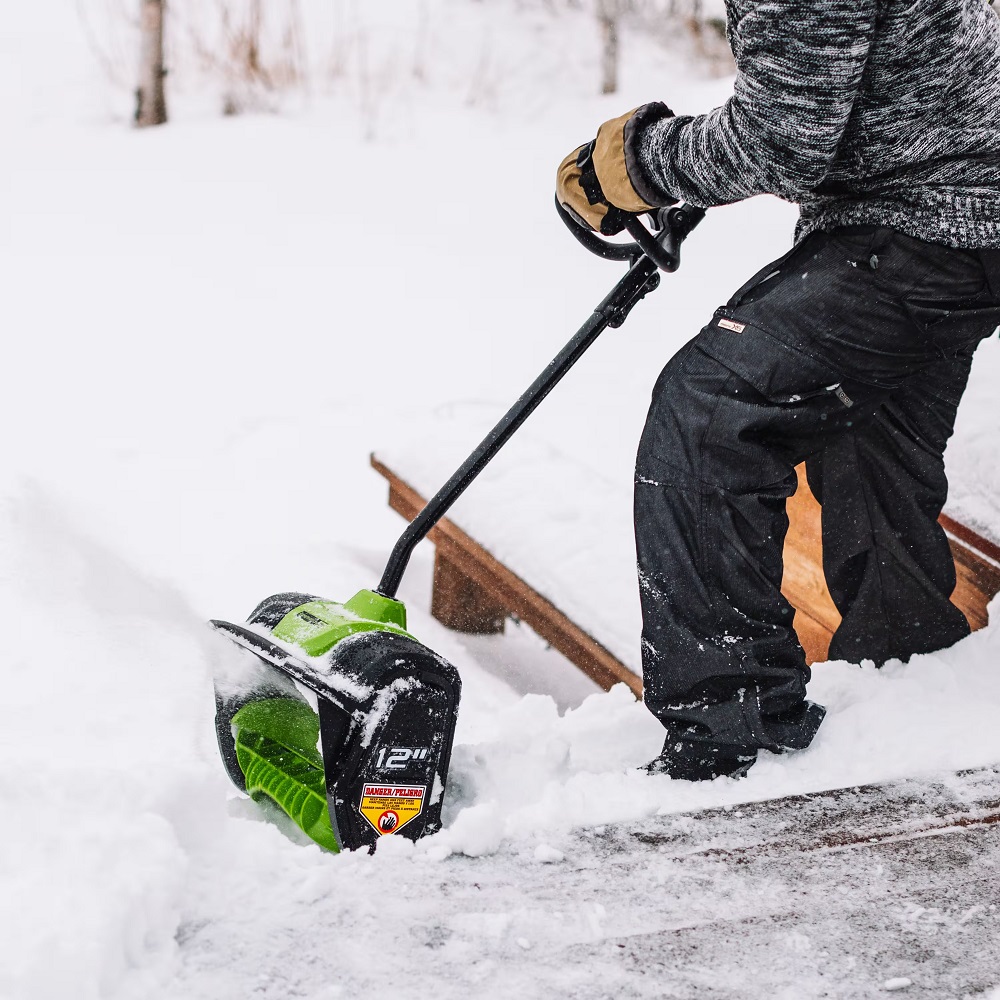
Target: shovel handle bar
646	255
662	247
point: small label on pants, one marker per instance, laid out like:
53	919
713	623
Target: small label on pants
728	324
842	396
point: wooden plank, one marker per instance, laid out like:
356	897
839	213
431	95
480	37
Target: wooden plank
971	540
977	569
512	592
968	593
461	603
803	582
814	636
857	817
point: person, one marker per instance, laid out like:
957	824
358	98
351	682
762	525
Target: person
881	120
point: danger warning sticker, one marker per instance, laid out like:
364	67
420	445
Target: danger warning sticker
388	808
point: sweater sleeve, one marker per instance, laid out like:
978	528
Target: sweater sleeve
799	68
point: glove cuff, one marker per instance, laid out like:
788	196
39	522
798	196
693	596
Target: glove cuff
635	129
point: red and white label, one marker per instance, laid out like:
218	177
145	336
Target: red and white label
728	324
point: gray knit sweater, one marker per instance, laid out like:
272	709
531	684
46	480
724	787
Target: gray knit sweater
883	112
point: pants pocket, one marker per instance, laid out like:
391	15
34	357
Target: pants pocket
953	327
773	405
780	373
770	276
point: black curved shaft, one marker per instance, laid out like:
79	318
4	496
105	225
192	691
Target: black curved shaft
641	278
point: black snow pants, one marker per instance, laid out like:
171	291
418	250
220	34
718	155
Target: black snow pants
850	353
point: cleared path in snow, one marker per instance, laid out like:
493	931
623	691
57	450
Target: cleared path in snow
617	912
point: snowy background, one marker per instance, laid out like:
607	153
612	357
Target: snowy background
206	329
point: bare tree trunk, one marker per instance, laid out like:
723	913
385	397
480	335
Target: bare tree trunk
150	101
607	17
253	40
695	20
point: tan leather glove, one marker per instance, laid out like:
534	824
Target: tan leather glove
593	182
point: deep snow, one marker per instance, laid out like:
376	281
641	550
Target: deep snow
207	329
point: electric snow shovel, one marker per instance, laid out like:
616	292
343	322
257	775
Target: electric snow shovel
344	719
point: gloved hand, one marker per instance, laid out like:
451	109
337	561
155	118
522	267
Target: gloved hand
593	183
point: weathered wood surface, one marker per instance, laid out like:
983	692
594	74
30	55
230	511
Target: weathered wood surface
841	818
474	592
828	895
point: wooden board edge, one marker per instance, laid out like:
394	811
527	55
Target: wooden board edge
857	816
520	599
980	546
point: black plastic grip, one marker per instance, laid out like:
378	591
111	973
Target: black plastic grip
663	248
594	243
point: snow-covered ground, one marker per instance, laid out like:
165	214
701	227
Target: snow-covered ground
206	329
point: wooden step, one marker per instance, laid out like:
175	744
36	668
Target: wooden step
861	816
474	592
